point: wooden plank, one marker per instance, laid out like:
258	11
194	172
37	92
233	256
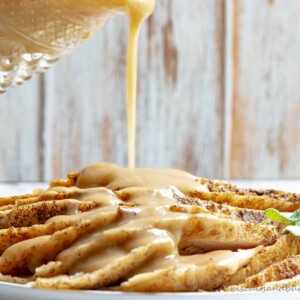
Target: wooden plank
181	88
21	149
266	92
180	94
85	117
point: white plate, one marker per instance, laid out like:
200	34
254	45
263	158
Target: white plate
9	291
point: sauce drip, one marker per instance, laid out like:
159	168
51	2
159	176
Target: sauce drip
138	11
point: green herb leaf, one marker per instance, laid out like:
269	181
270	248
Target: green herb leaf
295	217
274	215
293	229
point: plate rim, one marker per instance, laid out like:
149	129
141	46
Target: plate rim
136	294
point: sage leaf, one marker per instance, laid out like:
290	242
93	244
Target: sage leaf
274	215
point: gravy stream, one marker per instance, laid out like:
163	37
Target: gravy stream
138	11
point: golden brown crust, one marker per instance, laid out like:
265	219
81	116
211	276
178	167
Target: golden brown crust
222	192
285	269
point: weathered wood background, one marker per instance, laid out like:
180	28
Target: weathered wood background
218	95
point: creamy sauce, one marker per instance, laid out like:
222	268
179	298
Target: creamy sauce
131	214
138	10
115	178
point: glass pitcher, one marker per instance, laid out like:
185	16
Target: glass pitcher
36	33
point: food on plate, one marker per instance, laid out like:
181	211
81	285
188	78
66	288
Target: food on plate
114	228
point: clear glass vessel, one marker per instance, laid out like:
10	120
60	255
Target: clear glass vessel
34	34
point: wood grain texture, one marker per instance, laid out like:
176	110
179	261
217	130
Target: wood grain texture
20	144
180	97
266	94
243	124
85	104
180	94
